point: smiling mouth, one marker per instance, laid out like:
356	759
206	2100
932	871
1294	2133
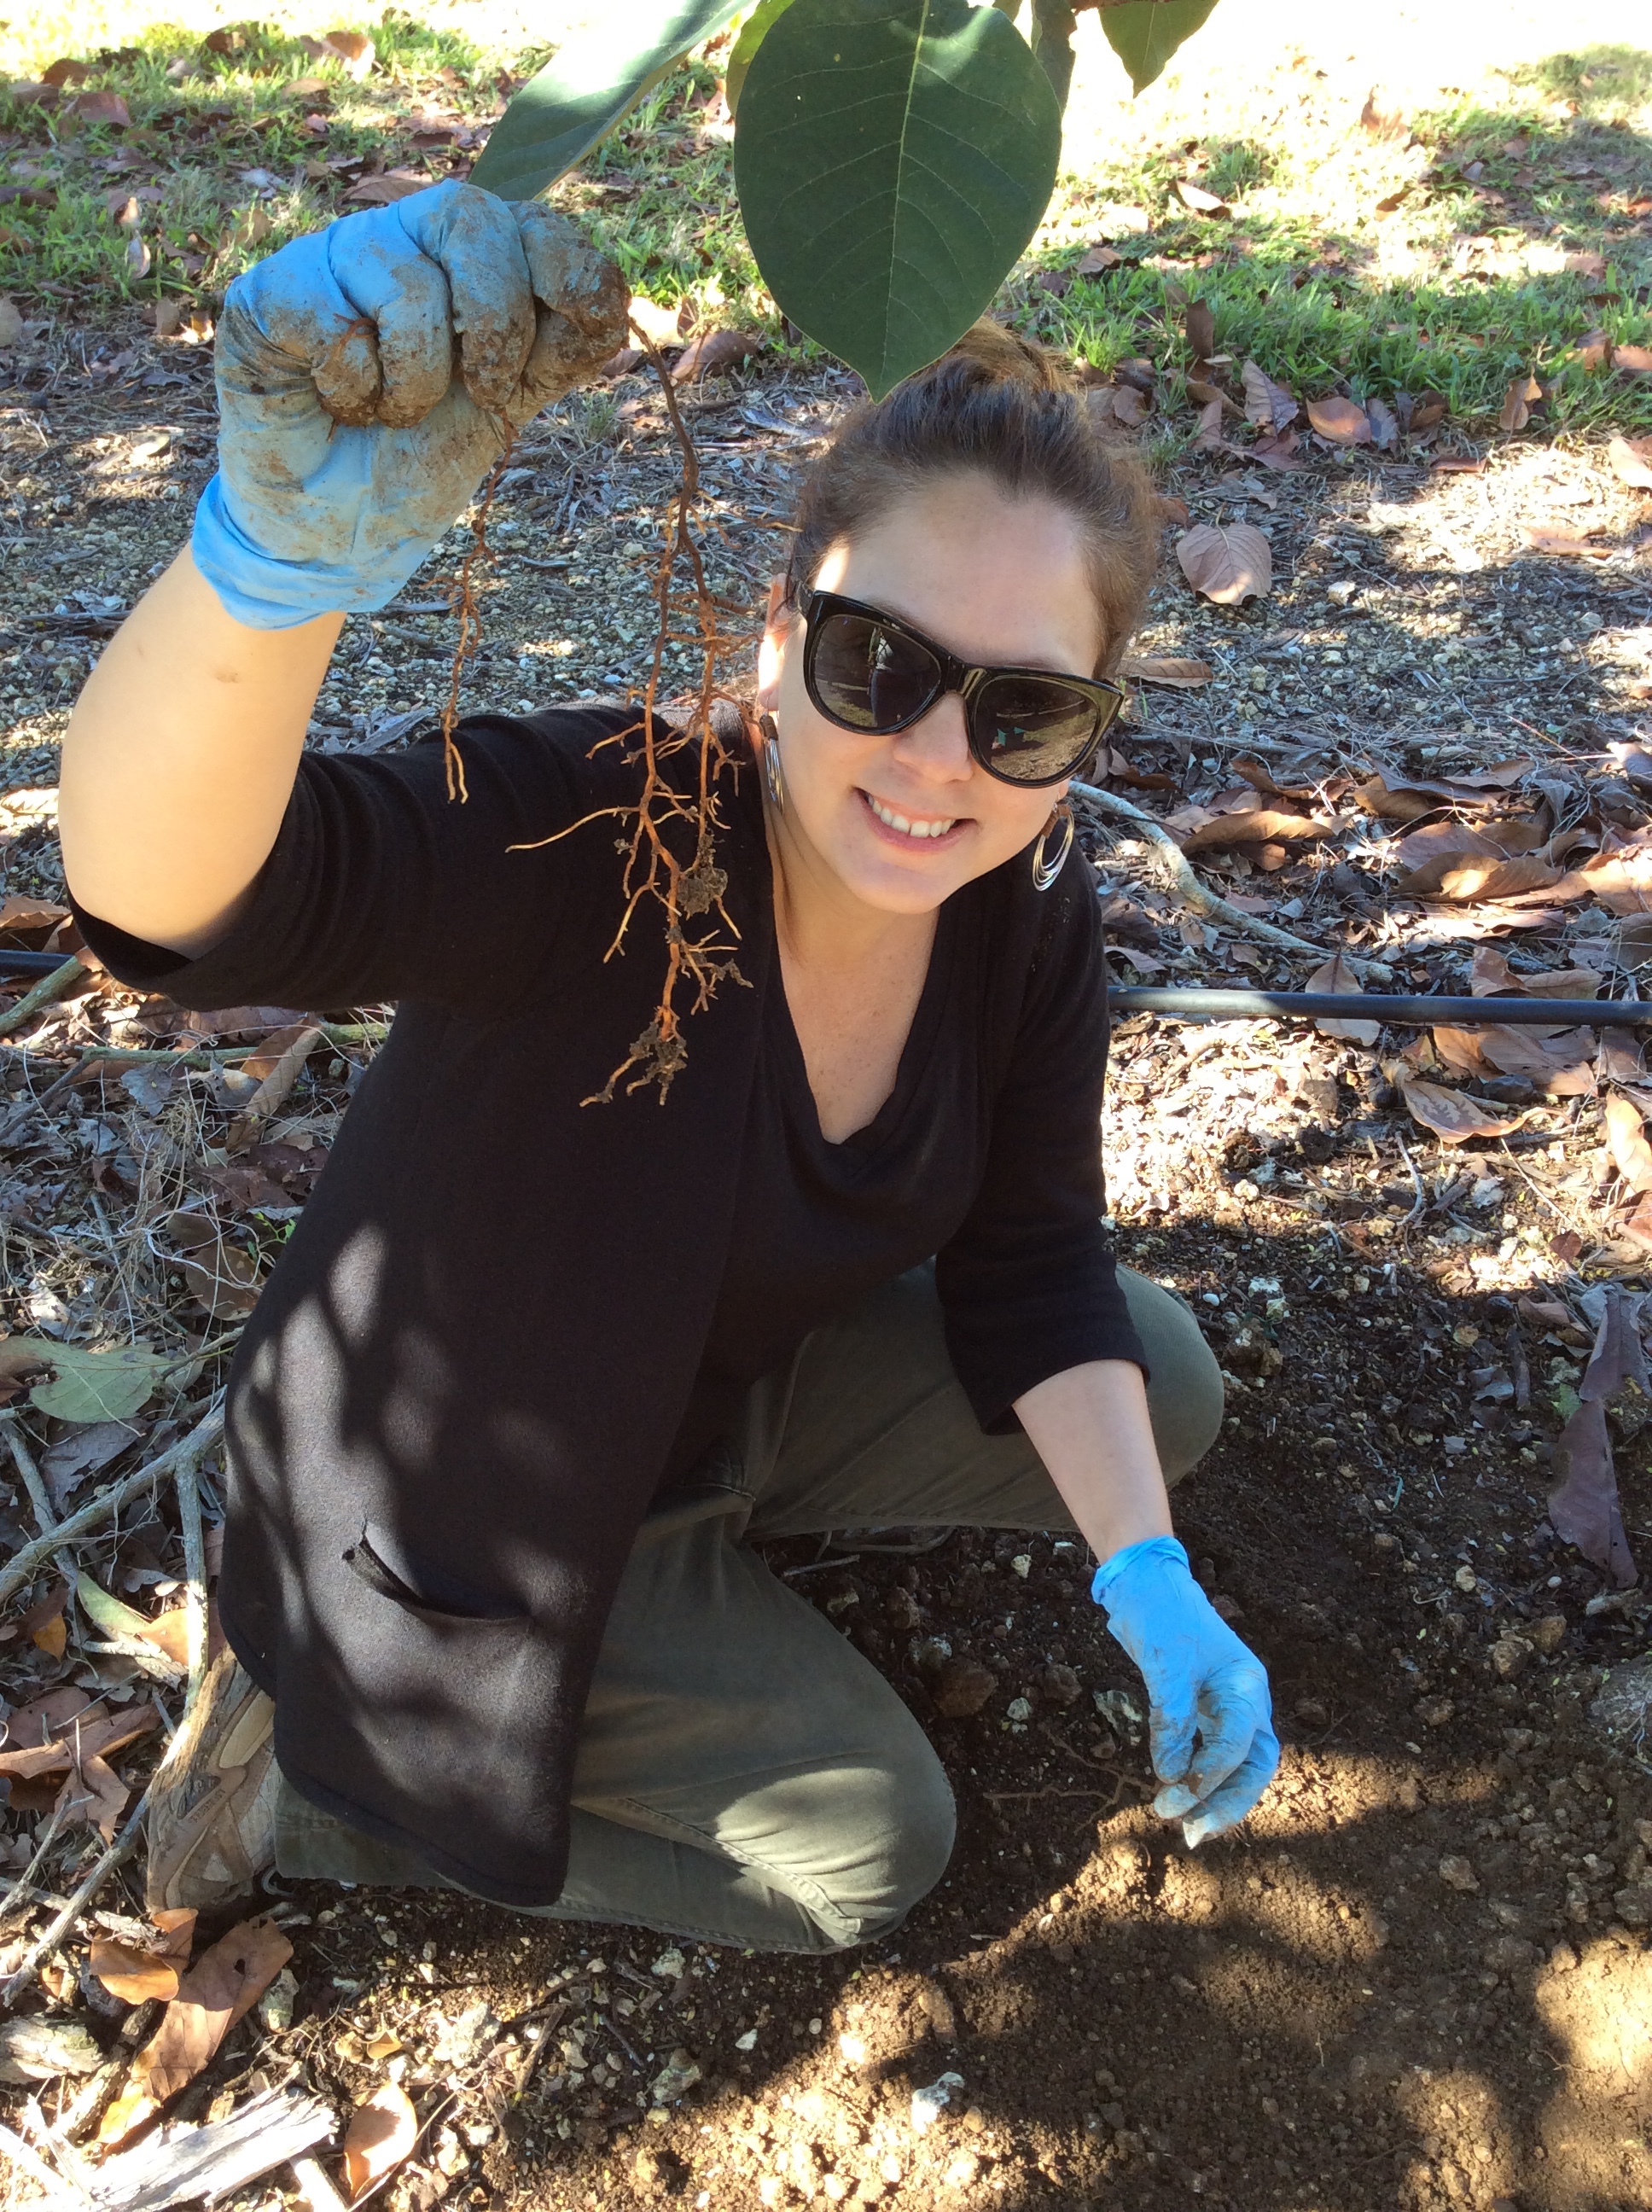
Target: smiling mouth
922	829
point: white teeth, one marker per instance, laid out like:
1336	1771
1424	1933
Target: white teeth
908	829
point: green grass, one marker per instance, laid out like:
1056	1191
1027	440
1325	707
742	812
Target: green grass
1456	287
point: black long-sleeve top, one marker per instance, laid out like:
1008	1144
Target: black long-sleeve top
505	1318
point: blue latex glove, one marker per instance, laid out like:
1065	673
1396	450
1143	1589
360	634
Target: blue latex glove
367	377
1200	1679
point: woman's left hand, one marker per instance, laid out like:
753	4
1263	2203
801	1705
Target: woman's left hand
1202	1682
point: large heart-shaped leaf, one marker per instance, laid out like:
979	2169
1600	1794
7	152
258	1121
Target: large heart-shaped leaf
1145	33
755	29
893	158
581	95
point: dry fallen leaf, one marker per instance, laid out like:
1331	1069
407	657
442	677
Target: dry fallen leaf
1260	825
1199	201
715	352
381	2134
1523	393
1627	1141
1584	1507
1228	563
394	184
1337	976
1454	1115
222	1985
659	324
1341	421
1631	461
1632	360
1096	260
1160	668
131	1974
1267	405
1566	544
1199	325
1486	878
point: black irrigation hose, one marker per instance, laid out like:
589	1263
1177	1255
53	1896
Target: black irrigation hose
1188	1004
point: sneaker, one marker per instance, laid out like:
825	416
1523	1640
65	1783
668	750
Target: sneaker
211	1825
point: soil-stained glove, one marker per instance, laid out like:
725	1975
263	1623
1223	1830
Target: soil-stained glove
368	374
1200	1680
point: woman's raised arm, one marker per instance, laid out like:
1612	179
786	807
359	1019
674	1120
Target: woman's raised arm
368	375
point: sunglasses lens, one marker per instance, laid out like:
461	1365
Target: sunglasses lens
869	677
1034	728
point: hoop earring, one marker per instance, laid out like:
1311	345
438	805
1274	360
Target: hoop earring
771	744
1045	869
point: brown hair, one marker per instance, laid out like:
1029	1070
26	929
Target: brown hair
999	405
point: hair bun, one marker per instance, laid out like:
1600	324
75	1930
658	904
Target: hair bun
1008	358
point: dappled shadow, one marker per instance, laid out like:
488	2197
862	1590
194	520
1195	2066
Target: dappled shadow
1503	239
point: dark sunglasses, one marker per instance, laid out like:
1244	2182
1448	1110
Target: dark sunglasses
871	671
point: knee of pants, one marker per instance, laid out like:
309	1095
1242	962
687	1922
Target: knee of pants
1184	1398
893	1838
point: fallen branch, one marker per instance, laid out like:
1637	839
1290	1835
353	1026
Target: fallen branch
1196	894
116	1856
48	989
38	1497
20	1570
195	1589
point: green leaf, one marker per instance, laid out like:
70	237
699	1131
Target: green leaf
1145	33
893	158
579	96
96	1386
108	1613
1053	29
753	32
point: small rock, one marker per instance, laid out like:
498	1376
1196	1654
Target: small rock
650	2171
1510	1654
40	2049
274	2007
1509	1955
1434	1712
1021	1564
1634	1906
962	1687
903	1609
976	2120
1113	2115
1060	1685
671	1965
676	2076
1548	1634
928	2103
464	2040
747	2041
1466	1579
963	2170
1228	1608
1018	1711
937	2008
1311	1712
1563	1959
1457	1874
932	1655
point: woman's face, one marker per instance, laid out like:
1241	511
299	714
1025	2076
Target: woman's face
1000	581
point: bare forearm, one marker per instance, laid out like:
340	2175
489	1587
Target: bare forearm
1090	1425
180	760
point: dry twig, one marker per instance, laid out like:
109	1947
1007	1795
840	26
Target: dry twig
1196	894
21	1567
116	1856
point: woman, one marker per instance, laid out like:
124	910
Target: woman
532	1372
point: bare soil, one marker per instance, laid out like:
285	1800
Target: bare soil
1419	1977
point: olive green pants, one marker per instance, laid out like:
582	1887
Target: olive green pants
743	1775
